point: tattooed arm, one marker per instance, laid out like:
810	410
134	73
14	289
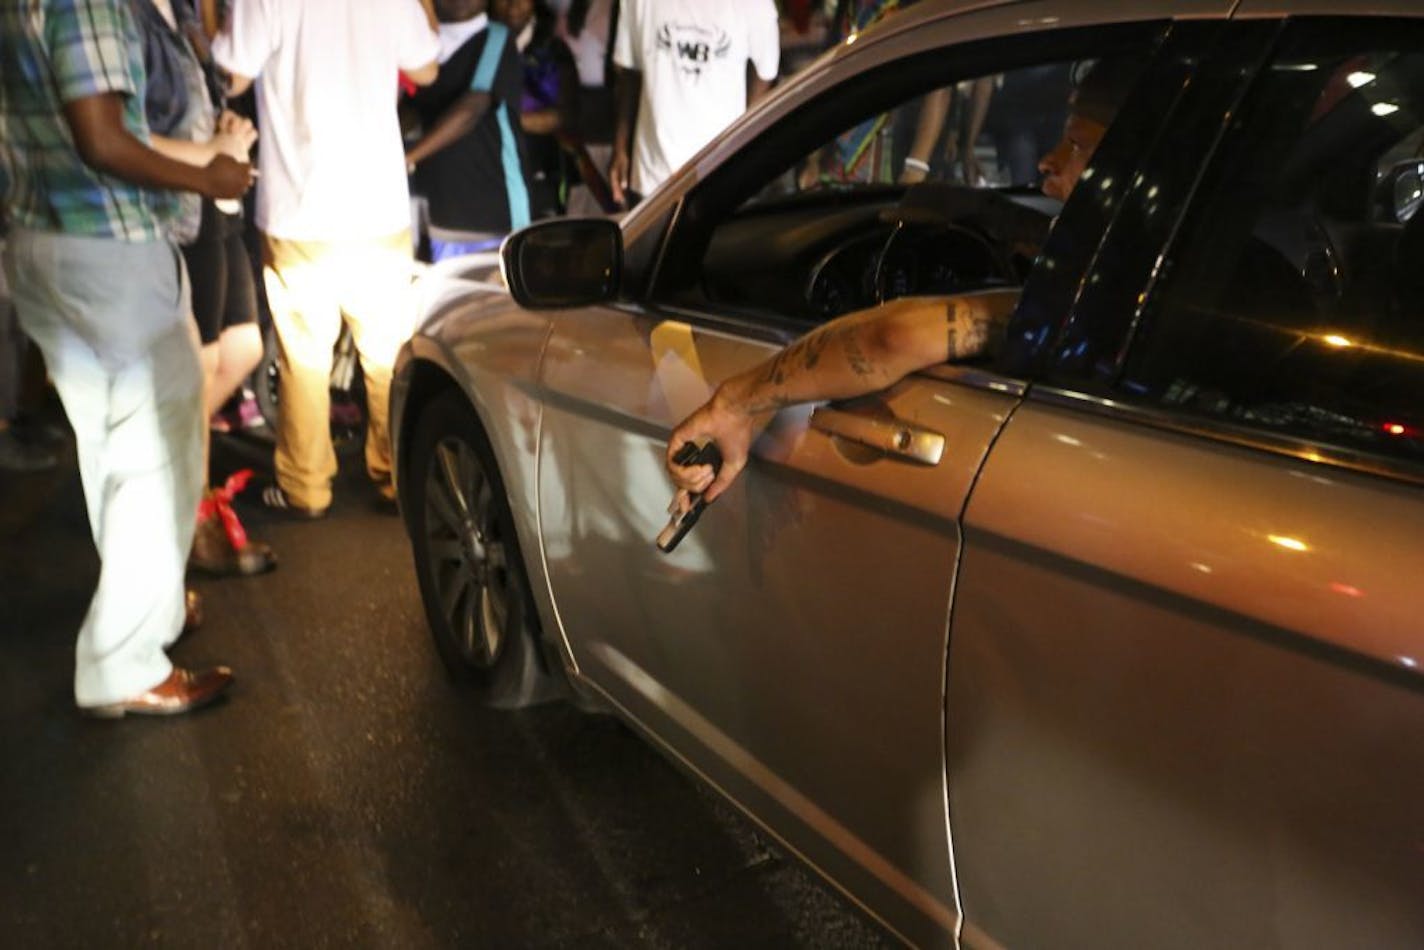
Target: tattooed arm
854	355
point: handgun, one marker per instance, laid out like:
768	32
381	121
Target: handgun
680	523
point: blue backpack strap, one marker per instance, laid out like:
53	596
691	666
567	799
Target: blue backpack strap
488	66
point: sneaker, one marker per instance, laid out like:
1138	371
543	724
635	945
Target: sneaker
239	414
386	500
249	414
17	455
274	499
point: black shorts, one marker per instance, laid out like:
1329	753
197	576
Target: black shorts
224	293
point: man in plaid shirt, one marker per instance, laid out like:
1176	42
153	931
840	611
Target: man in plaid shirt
99	286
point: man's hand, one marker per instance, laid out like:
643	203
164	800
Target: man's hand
732	429
106	145
618	177
235	135
853	355
627	93
225	177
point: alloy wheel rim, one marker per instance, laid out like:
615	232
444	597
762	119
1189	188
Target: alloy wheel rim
468	557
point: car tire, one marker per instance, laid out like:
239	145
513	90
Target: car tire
467	559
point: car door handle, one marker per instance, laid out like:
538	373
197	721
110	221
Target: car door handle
891	436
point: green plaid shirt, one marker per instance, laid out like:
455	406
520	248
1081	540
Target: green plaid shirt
53	52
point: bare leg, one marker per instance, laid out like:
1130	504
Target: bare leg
235	356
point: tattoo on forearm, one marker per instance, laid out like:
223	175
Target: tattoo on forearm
805	353
860	364
776	369
808	352
969	333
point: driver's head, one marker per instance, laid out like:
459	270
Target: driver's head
1090	111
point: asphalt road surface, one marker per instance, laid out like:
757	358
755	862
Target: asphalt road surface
345	794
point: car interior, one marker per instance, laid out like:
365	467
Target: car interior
818	221
1304	286
932	238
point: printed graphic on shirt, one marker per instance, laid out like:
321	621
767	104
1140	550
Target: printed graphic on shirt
694	47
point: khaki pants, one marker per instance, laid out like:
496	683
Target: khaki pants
311	286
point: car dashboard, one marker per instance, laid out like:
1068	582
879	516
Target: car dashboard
816	256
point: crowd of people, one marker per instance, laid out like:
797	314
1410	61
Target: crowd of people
130	260
425	129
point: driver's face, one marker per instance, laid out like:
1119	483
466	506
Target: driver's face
1063	165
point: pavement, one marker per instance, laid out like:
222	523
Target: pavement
345	794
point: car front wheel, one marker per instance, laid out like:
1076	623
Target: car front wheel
472	579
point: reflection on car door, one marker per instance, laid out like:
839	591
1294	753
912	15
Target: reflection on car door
1171	695
1185	697
793	646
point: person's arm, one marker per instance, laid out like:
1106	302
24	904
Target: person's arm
190	24
237	84
541	121
182	150
244	44
757	88
856	354
454	122
233	137
423	75
764	52
930	123
97	124
420	46
208	13
627	91
498	77
978	111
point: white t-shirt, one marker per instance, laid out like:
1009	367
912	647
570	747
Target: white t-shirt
331	160
455	35
693	56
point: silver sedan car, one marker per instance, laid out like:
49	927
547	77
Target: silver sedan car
1110	638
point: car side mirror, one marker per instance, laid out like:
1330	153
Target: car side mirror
1401	190
564	262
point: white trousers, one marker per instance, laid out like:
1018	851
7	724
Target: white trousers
112	319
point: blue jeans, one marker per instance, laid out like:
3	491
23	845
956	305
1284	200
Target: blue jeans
443	250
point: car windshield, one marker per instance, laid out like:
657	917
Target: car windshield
983	132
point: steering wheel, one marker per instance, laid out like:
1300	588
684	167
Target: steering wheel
928	256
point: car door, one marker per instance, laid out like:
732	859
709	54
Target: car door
792	650
1185	699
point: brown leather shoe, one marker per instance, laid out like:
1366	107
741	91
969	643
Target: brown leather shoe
182	692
